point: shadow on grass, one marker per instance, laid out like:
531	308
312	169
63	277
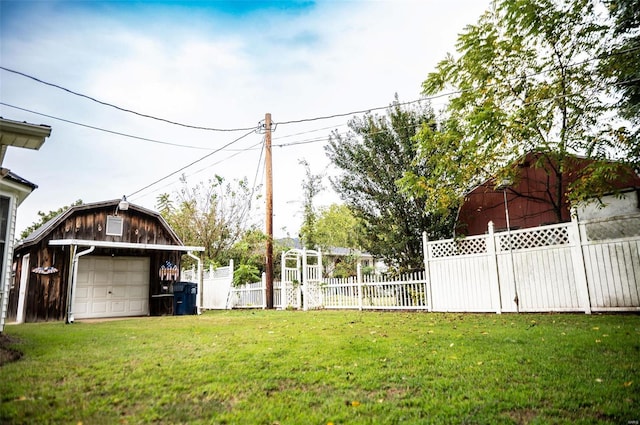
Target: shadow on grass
8	354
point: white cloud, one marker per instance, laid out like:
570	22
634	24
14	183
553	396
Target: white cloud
210	70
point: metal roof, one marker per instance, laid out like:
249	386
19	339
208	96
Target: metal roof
7	174
38	234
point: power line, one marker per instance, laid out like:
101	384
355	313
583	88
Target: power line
103	129
318	118
121	108
307	132
428	98
238	152
454	92
192	163
255	180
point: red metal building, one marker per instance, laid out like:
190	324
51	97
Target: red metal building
530	196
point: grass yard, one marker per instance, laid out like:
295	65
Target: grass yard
322	367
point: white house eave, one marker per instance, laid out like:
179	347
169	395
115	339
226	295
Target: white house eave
21	191
124	245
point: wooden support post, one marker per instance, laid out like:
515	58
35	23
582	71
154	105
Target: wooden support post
269	211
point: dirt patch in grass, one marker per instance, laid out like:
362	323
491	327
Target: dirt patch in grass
522	416
8	354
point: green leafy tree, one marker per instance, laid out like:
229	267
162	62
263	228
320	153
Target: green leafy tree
621	64
372	157
213	214
622	61
250	249
524	79
311	186
337	226
45	217
164	204
246	273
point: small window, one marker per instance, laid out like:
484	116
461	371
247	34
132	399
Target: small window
114	225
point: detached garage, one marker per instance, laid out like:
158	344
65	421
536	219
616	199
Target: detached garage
100	260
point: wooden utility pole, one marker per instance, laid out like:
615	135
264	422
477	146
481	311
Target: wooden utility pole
269	208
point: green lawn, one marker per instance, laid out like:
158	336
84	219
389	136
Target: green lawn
321	367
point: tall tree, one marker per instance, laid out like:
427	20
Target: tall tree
623	60
373	156
524	79
311	186
337	226
623	65
214	214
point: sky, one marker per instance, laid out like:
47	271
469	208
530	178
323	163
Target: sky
214	64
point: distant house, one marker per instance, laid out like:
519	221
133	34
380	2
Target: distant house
529	199
13	191
333	256
336	255
104	259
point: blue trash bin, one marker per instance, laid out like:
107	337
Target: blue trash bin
184	298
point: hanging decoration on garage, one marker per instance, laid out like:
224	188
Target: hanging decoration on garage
44	270
168	271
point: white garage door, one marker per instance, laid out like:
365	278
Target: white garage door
111	287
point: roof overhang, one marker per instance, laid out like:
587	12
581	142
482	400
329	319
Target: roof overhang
21	135
13	183
124	245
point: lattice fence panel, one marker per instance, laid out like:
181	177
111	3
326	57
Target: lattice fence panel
290	298
455	247
534	238
314	295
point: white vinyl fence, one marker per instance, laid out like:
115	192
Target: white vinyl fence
585	266
561	267
216	285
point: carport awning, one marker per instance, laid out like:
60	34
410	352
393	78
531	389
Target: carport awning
125	245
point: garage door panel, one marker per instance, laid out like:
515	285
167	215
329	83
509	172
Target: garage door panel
122	265
136	292
98	292
118	307
121	276
138	306
101	278
136	279
112	287
98	307
83	277
119	292
101	263
80	308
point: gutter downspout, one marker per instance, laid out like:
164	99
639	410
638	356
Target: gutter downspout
189	253
74	278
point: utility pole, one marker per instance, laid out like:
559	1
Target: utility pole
269	209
